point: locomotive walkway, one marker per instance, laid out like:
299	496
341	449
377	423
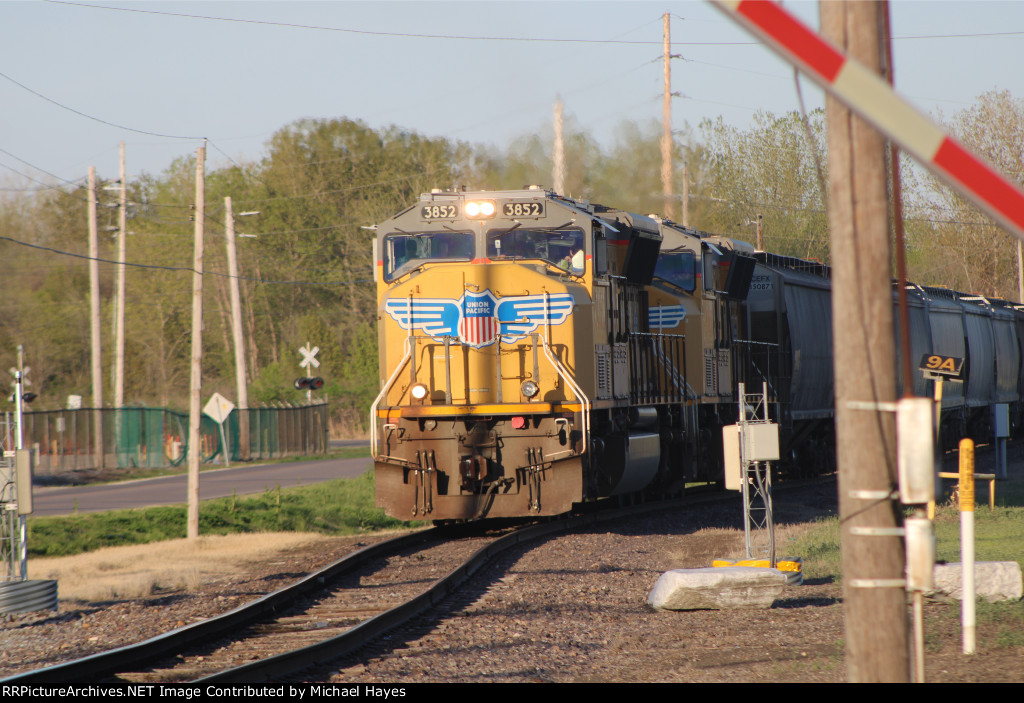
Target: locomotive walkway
240	479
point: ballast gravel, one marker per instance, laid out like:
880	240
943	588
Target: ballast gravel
569	609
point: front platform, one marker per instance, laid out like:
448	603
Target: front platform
408	493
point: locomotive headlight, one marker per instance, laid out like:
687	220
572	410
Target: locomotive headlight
529	388
480	208
418	391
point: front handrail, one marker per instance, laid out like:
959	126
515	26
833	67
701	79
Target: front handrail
374	453
571	382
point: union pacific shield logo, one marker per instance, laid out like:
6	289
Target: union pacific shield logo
477	319
477	324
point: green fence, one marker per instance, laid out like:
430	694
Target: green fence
158	437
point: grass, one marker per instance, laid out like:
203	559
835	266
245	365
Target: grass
1006	618
141	570
818	546
999	535
339	507
1000	624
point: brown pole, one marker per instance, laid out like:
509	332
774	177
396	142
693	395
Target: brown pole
236	333
94	324
872	564
196	377
906	369
558	152
122	250
666	117
686	196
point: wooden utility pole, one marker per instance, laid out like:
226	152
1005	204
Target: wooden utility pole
666	118
558	157
122	250
236	331
1020	273
196	384
686	196
899	238
872	555
94	324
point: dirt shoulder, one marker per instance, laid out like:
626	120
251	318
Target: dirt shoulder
572	609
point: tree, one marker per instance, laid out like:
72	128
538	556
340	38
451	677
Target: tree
45	306
959	245
778	169
529	161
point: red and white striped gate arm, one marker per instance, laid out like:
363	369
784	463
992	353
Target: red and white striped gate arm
867	94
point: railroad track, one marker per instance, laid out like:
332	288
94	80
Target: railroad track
329	614
322	617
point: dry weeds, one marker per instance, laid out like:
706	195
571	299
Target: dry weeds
140	570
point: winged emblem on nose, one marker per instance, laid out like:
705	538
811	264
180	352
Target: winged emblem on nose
477	319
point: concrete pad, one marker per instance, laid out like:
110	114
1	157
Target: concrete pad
993	580
717	588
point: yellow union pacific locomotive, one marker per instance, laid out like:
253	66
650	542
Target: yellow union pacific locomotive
534	352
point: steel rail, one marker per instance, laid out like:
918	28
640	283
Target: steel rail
362	634
322	653
133	657
125	658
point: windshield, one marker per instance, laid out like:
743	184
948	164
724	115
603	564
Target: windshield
677	268
405	251
560	247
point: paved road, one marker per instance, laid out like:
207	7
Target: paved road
169	490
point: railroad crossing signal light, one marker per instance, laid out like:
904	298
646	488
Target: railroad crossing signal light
313	384
27	397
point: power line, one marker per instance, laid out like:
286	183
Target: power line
90	117
75	184
178	268
259	177
909	36
224	153
16	158
43	186
340	190
402	35
297	231
466	37
960	36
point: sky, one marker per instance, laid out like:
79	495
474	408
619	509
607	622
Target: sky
77	78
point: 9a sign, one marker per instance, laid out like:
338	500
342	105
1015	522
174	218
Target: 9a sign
936	365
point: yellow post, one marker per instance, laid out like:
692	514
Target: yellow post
967	544
938	437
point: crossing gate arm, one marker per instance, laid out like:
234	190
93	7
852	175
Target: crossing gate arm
872	98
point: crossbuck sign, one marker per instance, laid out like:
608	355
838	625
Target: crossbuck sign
309	357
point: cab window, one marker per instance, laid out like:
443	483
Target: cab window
405	251
560	247
678	268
